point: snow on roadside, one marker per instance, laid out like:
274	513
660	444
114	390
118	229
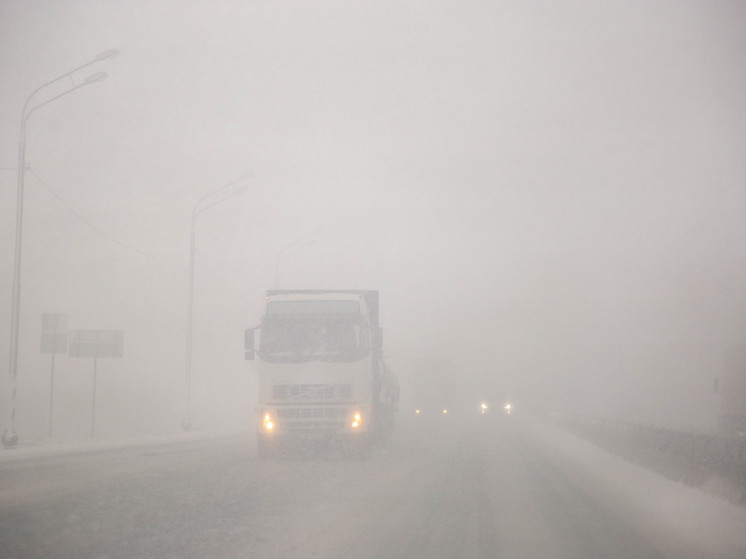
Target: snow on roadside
50	448
680	521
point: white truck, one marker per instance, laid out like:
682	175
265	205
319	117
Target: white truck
320	369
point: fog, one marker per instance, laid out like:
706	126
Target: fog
550	197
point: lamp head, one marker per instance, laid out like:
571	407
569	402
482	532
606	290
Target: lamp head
111	53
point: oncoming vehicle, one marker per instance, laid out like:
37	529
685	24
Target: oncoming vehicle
429	412
321	370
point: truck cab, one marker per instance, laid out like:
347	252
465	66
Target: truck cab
320	369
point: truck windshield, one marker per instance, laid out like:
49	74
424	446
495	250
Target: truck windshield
326	331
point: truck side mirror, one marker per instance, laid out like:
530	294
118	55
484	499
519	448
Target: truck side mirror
377	338
248	344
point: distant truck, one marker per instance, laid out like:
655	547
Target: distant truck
320	369
732	388
434	389
440	391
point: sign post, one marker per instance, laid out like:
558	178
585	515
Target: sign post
54	341
96	343
93	400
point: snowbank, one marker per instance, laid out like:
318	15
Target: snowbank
681	522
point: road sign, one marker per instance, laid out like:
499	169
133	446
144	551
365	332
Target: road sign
54	333
96	343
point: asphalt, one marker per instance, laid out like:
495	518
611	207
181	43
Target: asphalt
492	487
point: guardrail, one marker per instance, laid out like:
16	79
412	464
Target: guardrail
709	461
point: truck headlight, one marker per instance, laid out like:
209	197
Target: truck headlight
267	422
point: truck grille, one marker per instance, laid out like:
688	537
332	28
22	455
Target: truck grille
311	413
317	392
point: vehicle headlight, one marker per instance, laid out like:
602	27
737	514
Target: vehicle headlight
268	423
357	420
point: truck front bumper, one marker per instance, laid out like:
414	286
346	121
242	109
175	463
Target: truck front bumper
312	422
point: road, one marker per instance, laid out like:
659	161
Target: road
437	492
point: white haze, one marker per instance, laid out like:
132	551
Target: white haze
549	196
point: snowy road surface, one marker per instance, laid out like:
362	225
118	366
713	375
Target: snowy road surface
504	488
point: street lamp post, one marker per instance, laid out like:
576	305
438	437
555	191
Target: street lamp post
186	424
10	437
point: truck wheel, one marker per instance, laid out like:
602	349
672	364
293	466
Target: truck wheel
387	426
264	449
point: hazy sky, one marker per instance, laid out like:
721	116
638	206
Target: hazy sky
549	195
